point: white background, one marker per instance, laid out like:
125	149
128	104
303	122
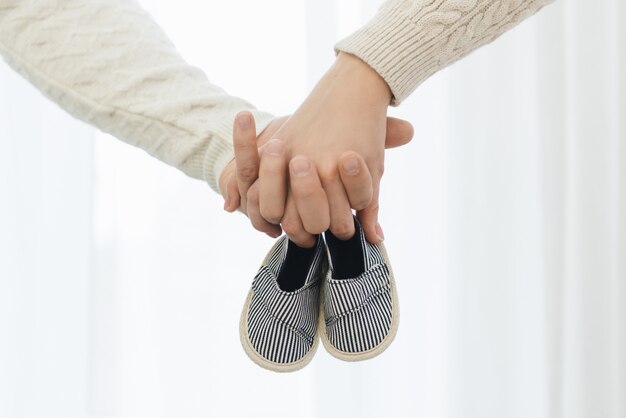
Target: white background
122	280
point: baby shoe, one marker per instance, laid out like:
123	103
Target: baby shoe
359	300
279	322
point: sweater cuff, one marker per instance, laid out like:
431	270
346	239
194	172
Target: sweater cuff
395	47
220	151
407	42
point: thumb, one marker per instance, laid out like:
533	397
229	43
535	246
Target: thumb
399	132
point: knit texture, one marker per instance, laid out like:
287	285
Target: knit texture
108	63
410	40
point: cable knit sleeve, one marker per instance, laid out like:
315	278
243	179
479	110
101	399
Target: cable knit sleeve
108	63
409	40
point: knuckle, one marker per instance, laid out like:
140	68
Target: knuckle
317	227
373	208
258	224
315	230
370	212
272	215
291	227
361	202
247	172
343	229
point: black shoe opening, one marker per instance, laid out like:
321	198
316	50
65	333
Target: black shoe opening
346	256
296	266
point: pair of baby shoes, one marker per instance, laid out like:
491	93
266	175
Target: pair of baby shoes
341	291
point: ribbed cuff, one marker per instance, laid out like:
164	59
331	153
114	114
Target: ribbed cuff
220	152
408	41
396	48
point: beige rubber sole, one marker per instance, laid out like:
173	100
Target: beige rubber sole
254	355
373	352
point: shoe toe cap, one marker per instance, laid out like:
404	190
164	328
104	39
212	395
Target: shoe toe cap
277	341
364	328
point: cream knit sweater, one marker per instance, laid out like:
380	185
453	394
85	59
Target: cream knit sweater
108	63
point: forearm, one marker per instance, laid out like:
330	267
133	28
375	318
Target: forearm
409	40
108	63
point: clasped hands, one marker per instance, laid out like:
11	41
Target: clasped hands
306	172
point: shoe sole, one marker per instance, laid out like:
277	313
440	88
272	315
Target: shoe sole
254	355
372	352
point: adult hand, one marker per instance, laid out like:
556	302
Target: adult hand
346	111
247	165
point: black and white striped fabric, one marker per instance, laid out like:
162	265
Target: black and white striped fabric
358	311
282	326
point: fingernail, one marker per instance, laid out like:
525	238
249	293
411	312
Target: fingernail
274	147
300	166
379	232
226	203
243	120
272	235
351	165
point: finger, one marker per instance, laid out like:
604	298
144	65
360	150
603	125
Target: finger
254	214
232	195
309	195
246	153
341	221
356	179
368	217
341	217
292	225
399	132
273	181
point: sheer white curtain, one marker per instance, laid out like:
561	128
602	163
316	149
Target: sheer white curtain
505	219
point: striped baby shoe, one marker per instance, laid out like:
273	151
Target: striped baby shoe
360	312
279	328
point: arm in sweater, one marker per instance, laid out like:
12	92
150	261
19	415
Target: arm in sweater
405	43
108	63
410	40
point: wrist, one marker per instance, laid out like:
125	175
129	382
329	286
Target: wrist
353	72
